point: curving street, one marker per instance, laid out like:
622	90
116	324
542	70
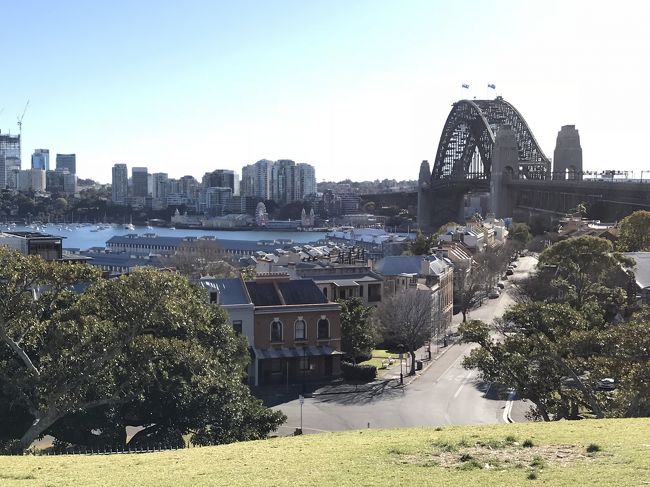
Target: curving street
445	393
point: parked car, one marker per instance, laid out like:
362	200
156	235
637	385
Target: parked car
501	285
509	272
513	264
606	384
494	293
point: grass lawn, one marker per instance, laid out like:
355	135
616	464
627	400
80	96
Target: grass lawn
377	353
512	455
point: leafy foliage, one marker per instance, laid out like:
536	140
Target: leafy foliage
520	233
142	350
357	328
583	269
634	233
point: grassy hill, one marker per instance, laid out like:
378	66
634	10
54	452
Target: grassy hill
606	452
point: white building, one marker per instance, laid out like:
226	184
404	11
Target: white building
31	180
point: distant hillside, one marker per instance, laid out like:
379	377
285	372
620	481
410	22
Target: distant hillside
589	452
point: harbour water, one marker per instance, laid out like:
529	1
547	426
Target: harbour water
84	237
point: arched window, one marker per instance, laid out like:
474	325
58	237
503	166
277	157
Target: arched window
323	328
276	330
300	328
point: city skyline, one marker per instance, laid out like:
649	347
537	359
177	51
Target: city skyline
358	91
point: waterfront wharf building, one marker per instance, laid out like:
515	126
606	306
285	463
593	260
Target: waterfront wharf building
150	243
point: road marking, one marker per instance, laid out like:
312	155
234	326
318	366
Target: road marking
463	384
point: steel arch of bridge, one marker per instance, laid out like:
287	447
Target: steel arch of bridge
467	140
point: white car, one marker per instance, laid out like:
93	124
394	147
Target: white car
494	293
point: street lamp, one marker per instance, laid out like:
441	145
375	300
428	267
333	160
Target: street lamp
400	347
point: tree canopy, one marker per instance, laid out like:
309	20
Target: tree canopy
584	267
634	232
357	328
82	357
520	233
569	334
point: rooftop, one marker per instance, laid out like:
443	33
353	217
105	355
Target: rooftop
277	293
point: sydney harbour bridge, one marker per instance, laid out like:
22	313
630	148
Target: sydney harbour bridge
486	146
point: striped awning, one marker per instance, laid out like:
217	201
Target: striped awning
319	351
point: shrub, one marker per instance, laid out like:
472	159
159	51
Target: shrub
528	443
358	372
593	448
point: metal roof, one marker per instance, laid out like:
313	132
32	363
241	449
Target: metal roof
231	291
310	351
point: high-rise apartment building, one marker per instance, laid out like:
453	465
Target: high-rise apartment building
120	184
221	178
305	181
67	161
9	158
256	179
31	180
41	159
140	182
160	187
283	181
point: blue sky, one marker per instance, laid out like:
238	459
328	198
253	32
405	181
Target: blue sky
359	89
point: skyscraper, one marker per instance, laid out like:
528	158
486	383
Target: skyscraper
67	161
41	159
305	181
256	179
140	182
120	184
9	157
283	181
160	188
220	178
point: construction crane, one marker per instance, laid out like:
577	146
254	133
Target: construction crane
20	119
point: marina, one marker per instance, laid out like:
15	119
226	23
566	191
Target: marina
85	236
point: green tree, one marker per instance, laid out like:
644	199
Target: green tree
634	235
422	244
542	351
357	328
521	235
583	269
142	350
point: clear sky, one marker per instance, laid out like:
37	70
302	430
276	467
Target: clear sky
358	88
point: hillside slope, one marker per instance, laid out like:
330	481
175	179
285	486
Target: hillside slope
474	455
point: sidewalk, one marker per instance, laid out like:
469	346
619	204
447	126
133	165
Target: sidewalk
273	395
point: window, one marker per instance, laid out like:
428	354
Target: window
361	291
374	292
276	330
276	366
300	329
304	363
237	326
325	291
214	297
323	328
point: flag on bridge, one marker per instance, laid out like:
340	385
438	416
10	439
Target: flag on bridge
493	86
465	86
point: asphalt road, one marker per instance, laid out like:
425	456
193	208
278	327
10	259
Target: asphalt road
444	394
